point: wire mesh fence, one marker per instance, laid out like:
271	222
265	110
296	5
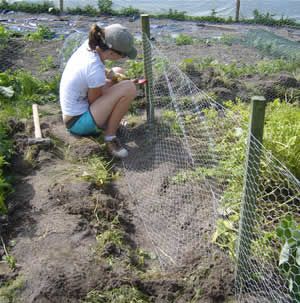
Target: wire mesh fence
190	165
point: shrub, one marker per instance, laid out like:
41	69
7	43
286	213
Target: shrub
105	6
28	7
129	11
183	39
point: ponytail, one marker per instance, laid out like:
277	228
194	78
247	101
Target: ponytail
97	38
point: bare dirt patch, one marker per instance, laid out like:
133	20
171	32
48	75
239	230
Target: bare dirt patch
53	222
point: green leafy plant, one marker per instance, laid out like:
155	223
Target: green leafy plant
47	64
288	232
18	90
230	168
98	171
134	69
170	118
42	32
105	6
4	33
4	186
183	39
9	259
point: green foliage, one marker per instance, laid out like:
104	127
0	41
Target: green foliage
9	290
176	15
19	90
170	118
4	34
29	7
8	258
4	186
134	69
123	294
105	6
27	90
173	14
232	136
183	39
47	64
235	70
98	171
42	32
267	19
282	131
11	261
112	235
87	10
129	11
288	232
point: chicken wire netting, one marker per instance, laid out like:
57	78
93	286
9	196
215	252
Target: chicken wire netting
186	171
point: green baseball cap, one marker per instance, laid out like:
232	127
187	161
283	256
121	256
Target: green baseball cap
118	38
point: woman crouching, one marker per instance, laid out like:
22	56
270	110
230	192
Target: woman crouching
90	100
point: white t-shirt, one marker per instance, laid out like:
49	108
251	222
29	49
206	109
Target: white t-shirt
84	70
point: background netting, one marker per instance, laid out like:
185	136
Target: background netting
187	178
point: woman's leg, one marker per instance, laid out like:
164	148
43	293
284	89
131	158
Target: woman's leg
110	108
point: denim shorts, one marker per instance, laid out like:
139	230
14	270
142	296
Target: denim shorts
84	125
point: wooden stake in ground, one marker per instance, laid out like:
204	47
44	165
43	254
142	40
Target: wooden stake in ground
38	138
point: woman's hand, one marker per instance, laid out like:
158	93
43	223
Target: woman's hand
115	77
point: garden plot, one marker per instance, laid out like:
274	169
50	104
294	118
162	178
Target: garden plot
86	241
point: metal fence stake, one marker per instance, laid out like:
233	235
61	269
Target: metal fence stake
248	207
148	67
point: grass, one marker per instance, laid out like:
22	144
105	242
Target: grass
9	290
47	64
123	294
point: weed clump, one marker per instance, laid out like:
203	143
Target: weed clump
123	294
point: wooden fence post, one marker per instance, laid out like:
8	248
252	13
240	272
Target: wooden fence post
61	6
237	11
250	190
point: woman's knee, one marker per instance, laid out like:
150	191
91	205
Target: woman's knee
129	88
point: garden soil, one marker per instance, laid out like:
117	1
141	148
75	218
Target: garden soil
52	229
